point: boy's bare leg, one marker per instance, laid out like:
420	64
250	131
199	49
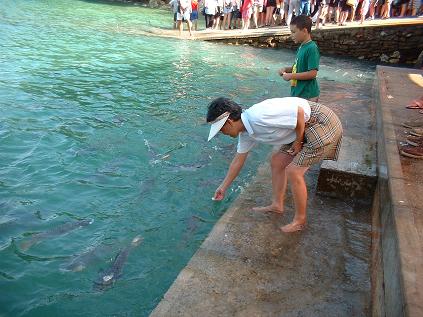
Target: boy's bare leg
255	18
295	176
189	27
278	163
180	27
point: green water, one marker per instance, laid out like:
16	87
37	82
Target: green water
98	122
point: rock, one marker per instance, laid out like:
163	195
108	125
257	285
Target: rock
419	61
384	58
396	54
153	4
383	33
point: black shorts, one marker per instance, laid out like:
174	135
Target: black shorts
271	3
219	12
236	14
344	6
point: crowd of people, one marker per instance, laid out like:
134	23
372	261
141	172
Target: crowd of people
245	14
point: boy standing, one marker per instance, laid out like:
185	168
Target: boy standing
304	71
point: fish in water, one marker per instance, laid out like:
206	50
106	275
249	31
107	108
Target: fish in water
58	231
81	261
109	276
187	167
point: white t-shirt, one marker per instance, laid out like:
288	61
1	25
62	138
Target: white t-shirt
271	121
210	6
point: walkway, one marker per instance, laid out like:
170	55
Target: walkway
209	35
400	193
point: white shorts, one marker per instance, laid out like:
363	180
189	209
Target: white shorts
185	16
257	8
227	10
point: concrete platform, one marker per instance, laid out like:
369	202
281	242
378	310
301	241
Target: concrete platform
399	197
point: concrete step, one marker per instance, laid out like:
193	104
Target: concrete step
353	175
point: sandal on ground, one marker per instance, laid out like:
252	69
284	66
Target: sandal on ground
415	104
412	151
415	140
416	131
413	124
289	228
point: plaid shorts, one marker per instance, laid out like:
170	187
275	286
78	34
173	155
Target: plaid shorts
322	137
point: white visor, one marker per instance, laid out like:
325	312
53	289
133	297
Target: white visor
217	124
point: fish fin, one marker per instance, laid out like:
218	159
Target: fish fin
136	241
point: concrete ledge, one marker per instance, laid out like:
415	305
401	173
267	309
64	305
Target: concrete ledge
353	175
390	41
399	202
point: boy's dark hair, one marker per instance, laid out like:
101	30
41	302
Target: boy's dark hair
302	22
221	105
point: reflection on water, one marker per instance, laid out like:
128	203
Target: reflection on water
93	119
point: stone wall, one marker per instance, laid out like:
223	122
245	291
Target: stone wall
388	44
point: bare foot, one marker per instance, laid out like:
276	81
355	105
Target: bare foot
293	227
269	208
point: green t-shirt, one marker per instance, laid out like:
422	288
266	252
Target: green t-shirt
307	59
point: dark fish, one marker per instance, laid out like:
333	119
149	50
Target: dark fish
81	261
187	167
146	186
109	276
156	157
58	231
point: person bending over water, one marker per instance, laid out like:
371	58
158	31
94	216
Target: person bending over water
302	133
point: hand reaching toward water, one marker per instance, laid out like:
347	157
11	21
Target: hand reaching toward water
219	194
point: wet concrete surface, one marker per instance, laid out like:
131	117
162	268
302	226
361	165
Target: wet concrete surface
248	267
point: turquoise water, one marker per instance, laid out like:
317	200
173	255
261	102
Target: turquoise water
99	123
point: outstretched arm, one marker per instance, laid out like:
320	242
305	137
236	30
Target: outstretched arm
234	169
